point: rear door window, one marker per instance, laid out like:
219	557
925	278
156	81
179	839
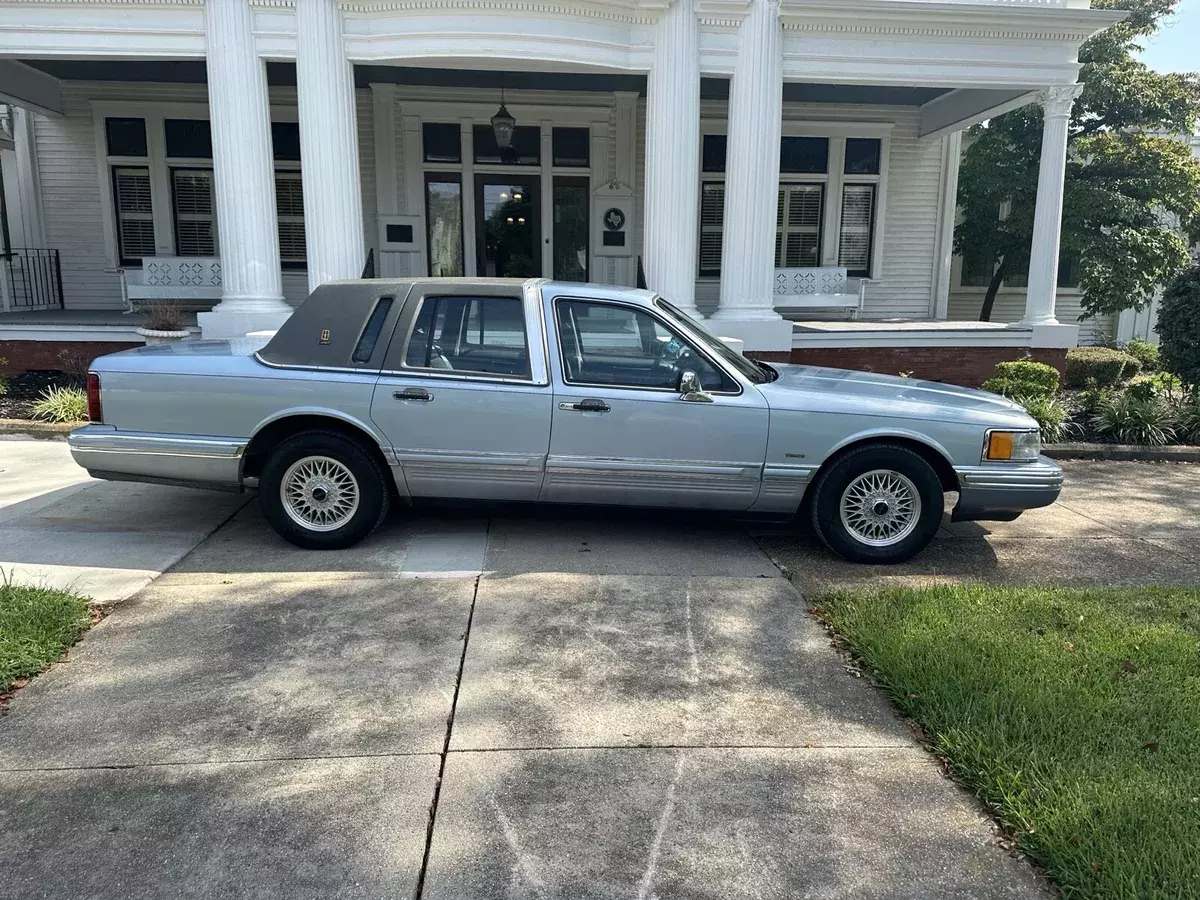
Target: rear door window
470	336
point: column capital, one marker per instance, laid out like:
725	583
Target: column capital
1058	100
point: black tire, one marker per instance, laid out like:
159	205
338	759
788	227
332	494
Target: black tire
369	477
832	485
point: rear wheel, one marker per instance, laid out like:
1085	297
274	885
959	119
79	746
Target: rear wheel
881	503
323	491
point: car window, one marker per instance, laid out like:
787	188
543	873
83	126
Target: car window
471	336
624	346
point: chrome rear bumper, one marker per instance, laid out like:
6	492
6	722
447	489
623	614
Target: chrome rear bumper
1001	492
193	460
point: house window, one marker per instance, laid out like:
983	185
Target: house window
441	142
526	148
856	235
193	211
135	216
443	219
799	219
847	173
125	137
289	209
571	147
181	162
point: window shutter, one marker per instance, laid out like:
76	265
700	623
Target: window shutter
135	216
195	222
712	217
858	217
289	208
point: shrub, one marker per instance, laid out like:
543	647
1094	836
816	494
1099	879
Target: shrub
1102	364
1145	353
163	315
61	404
1093	397
3	377
1132	419
1039	375
1051	415
1187	420
1179	327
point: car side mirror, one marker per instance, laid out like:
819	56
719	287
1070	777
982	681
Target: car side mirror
691	390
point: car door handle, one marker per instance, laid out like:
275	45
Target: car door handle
413	394
586	406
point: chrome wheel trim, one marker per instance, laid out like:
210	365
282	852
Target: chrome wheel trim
319	493
880	508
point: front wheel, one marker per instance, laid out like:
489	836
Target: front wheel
323	491
881	503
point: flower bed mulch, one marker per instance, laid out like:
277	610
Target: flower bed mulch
25	389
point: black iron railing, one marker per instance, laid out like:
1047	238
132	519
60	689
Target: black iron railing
34	278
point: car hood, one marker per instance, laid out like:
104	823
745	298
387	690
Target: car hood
841	390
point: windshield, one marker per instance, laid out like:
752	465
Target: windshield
754	372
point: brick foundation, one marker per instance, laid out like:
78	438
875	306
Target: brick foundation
25	356
968	366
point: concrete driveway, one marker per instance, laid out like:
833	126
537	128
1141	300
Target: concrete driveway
481	704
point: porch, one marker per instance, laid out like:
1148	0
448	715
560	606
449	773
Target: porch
364	133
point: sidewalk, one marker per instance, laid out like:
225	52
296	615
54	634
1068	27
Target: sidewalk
63	529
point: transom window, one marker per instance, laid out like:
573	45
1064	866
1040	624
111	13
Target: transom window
470	336
621	346
826	209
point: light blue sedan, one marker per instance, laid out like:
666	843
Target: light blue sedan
382	392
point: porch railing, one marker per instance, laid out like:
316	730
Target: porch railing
32	279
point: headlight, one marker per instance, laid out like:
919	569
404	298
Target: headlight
1012	446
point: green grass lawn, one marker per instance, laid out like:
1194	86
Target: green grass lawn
36	626
1074	714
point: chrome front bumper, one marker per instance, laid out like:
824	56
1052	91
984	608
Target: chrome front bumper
1002	491
191	460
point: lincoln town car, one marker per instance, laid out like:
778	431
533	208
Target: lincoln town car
378	393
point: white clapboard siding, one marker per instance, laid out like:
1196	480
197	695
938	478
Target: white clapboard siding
71	186
1010	307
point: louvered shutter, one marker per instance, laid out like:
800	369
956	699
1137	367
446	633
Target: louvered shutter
289	208
712	217
798	226
858	218
195	222
135	215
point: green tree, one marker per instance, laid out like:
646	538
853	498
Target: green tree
1131	206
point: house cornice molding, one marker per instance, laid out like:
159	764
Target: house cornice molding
634	12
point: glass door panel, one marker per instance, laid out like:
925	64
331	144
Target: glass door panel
507	216
443	213
571	229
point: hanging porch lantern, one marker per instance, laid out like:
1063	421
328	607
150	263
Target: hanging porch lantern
503	124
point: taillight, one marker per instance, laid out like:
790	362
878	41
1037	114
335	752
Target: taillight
95	407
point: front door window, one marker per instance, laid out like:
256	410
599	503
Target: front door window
443	213
507	228
571	228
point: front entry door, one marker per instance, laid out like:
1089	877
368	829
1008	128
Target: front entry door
507	227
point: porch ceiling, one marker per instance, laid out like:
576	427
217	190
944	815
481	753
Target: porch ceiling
284	74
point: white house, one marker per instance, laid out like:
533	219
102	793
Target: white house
750	157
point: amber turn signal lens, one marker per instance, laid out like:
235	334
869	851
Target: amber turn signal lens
1000	445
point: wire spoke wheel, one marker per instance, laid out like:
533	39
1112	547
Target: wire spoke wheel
880	508
319	493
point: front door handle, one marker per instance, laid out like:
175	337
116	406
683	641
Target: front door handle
413	394
586	406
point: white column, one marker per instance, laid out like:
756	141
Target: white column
252	295
1047	219
752	185
672	205
333	217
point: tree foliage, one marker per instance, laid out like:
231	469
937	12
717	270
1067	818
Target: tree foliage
1131	205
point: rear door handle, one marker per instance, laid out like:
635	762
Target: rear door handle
413	394
586	406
